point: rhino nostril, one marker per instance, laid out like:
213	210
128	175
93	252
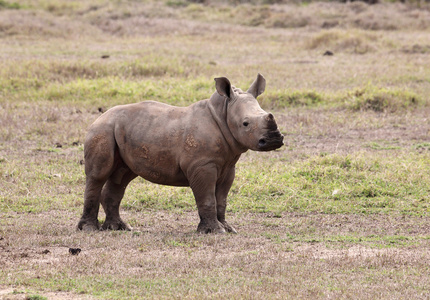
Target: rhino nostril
262	142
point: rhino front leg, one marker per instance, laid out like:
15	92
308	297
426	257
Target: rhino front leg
202	183
221	193
112	194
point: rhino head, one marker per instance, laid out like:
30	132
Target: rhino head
251	126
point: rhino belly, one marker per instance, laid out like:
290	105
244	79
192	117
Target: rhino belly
151	153
157	166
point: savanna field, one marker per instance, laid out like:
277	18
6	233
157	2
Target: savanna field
342	211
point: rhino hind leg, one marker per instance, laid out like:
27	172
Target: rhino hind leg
112	194
89	221
100	161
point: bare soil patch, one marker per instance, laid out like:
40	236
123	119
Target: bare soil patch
164	245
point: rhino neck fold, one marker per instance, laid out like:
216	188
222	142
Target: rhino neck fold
218	109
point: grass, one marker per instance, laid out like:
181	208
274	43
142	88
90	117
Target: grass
342	211
335	184
242	265
358	42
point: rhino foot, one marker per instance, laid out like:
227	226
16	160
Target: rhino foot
210	227
228	228
116	225
86	225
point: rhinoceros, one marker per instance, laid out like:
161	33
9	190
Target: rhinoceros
196	146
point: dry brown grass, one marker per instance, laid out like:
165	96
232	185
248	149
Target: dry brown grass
284	255
53	80
290	256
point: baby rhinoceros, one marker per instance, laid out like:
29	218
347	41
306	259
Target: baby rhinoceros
196	146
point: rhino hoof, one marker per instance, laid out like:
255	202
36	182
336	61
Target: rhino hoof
116	225
88	226
205	228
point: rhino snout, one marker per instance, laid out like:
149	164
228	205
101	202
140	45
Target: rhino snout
262	143
271	141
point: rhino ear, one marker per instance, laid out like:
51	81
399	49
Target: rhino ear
223	86
258	86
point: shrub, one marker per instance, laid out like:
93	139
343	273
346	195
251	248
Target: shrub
382	99
7	5
349	41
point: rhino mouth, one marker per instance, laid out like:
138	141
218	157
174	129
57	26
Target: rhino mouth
271	141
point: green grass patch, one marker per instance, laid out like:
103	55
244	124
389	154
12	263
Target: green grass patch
358	183
41	183
368	98
330	184
381	146
110	91
334	184
422	146
382	99
36	297
286	98
142	195
169	80
9	5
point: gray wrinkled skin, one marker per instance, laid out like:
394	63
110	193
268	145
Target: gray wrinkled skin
196	146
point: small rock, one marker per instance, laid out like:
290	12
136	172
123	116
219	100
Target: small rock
74	251
329	24
58	145
46	251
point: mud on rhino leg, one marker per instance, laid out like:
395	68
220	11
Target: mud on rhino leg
112	194
202	183
221	193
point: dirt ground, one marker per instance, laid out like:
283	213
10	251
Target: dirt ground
164	244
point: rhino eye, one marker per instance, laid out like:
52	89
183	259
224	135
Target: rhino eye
245	124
